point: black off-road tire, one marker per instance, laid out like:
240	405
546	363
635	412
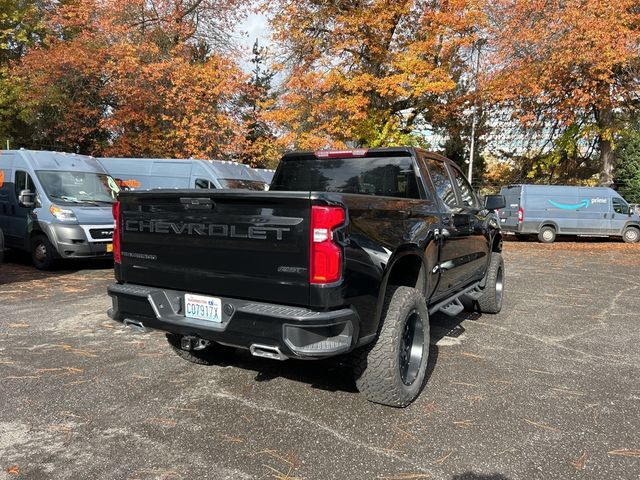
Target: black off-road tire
491	299
547	234
43	254
378	367
631	235
211	355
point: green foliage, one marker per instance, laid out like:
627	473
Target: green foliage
627	172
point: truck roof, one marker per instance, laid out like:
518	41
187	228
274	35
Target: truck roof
365	152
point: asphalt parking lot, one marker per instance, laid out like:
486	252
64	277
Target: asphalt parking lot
549	388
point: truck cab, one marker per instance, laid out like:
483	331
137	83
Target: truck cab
56	206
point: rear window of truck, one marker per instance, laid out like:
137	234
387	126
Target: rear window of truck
382	176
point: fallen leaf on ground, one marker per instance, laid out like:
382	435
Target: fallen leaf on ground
625	452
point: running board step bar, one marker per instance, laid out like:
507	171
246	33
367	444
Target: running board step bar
452	309
452	306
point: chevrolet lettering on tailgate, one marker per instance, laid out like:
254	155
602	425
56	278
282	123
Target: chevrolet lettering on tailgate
205	229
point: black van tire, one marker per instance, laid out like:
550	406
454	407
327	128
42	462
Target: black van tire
43	254
631	235
491	299
392	370
547	234
210	355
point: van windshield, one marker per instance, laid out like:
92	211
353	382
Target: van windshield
78	187
243	184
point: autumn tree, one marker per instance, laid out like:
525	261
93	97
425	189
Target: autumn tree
367	72
136	78
21	28
567	69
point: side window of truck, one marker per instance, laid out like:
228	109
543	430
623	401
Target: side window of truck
620	206
442	182
23	181
464	189
203	183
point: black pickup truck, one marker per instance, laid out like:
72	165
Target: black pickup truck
348	253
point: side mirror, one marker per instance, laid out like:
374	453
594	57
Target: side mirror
27	199
494	202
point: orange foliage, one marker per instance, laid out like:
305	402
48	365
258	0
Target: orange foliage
121	83
367	71
562	58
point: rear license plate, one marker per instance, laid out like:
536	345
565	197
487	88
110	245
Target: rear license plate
109	247
503	220
202	308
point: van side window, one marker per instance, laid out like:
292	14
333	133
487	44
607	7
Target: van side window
203	183
466	192
442	182
23	181
620	206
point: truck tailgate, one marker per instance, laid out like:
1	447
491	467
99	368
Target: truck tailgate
223	243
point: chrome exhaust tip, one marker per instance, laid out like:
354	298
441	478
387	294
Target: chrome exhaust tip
135	325
267	351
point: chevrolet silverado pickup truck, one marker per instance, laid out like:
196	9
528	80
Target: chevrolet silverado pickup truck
349	253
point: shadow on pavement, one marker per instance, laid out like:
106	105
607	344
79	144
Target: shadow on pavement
333	374
17	267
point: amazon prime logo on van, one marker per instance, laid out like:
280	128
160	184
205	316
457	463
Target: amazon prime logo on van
206	229
583	204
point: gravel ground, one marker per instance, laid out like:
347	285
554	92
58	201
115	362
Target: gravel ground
549	388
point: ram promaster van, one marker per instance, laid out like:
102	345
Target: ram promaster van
56	205
152	173
551	210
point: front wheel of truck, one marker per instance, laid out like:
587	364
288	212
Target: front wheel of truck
392	370
213	354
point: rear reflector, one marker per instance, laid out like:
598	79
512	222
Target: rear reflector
325	254
358	152
115	209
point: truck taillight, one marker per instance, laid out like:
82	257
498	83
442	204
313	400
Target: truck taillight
325	254
115	209
520	215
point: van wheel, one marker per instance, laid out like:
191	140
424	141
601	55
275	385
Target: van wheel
547	234
43	255
491	299
211	355
392	370
631	235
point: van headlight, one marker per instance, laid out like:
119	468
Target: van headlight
63	214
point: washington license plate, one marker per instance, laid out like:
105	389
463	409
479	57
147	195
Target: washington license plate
203	308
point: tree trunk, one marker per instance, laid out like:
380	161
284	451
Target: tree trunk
607	155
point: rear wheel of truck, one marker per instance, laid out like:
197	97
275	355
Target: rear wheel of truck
547	234
631	235
43	254
391	371
491	299
213	354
